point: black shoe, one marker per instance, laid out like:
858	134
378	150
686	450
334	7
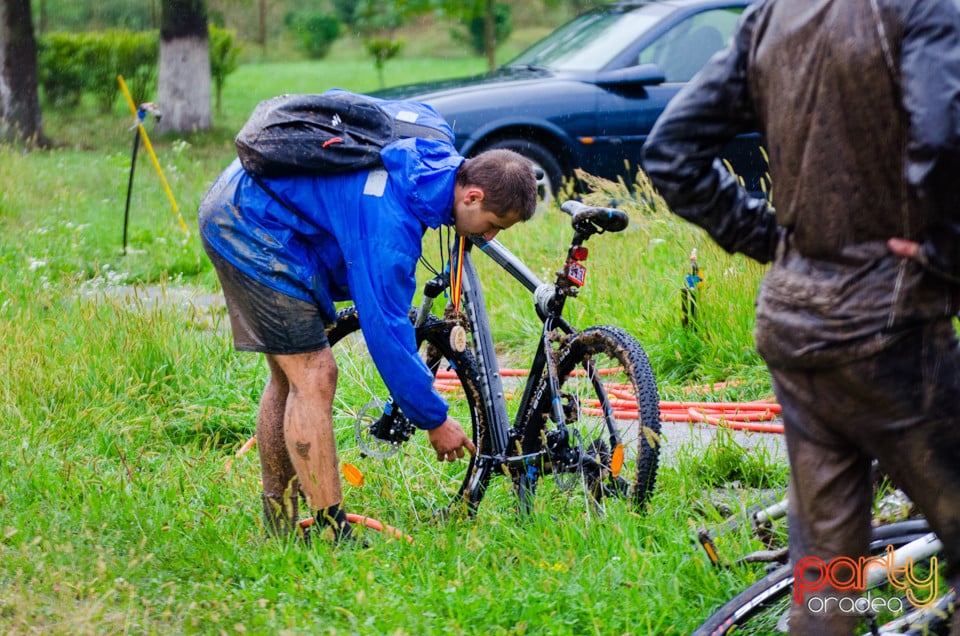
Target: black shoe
336	519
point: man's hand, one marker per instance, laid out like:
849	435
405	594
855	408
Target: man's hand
449	440
903	247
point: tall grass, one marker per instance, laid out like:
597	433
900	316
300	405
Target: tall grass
122	407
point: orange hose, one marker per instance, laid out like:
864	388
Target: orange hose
250	443
739	426
735	415
369	522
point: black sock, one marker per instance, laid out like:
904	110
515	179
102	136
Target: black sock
336	518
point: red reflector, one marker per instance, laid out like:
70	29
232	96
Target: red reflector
580	253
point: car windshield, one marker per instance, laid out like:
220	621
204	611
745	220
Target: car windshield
591	41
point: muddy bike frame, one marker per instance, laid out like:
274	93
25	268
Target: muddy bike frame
549	299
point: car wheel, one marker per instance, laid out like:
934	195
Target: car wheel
549	184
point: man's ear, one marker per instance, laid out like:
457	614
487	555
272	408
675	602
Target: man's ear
473	194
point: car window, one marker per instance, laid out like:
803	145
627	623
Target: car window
589	42
684	49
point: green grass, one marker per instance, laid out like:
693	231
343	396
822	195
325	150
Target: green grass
120	414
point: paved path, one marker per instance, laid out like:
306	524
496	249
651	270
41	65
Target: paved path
680	438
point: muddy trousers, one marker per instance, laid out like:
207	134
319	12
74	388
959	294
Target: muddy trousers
901	407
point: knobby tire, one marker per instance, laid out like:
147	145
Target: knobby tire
612	350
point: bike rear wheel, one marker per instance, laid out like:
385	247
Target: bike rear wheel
602	370
763	608
408	471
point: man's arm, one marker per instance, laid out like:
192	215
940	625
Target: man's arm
681	156
382	282
930	84
382	299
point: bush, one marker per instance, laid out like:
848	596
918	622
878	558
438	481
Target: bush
316	32
135	56
224	57
71	64
503	27
347	11
74	64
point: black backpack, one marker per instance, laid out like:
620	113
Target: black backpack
320	134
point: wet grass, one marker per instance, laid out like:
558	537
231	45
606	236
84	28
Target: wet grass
120	416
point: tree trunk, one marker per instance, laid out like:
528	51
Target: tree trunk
19	103
490	34
183	92
262	26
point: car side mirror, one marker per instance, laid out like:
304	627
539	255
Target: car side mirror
642	74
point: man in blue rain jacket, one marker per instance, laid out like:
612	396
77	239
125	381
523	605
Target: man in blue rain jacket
284	258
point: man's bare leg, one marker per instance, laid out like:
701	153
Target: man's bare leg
308	425
280	489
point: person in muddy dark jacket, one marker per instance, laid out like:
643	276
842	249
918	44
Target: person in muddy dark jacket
283	258
859	104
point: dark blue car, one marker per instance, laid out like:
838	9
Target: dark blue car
587	95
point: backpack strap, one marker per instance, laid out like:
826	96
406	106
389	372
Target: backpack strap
276	197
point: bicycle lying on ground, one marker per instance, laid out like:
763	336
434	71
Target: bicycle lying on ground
905	557
568	434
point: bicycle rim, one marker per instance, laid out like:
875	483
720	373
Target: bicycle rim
411	478
763	608
604	368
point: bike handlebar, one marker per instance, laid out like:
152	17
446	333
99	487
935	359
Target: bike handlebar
594	219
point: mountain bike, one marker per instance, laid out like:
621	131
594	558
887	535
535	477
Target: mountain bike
884	607
571	434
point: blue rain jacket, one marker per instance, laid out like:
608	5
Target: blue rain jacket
359	238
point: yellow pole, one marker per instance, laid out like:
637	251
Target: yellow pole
153	155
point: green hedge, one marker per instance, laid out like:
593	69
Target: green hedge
72	65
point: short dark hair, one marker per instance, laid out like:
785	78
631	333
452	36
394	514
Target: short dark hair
507	180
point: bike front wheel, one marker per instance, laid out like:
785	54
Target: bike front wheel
408	474
612	412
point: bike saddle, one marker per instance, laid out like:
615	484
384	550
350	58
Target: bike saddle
595	218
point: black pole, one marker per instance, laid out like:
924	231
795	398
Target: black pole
133	164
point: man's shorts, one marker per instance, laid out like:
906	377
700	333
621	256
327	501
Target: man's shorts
265	320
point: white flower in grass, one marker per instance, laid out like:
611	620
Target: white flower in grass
36	263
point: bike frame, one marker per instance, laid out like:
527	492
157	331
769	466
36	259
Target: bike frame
473	302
